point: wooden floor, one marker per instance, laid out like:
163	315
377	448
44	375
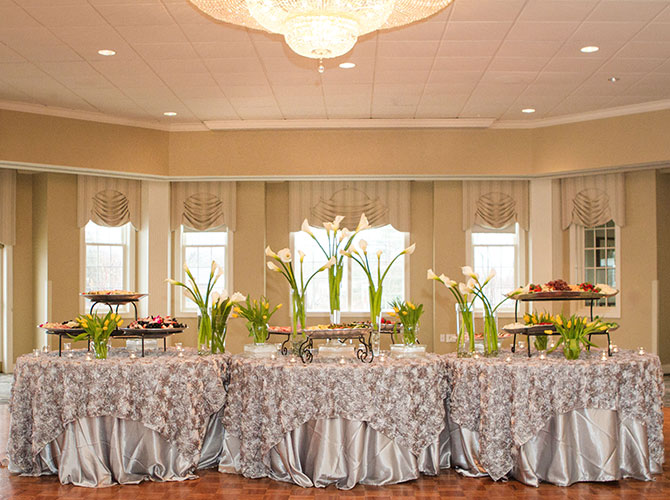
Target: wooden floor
212	484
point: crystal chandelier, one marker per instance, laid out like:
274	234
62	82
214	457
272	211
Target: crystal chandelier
320	29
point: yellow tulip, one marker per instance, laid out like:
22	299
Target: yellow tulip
411	306
569	324
280	306
404	313
396	309
234	315
120	322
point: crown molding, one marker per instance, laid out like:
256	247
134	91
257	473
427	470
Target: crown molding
357	123
324	124
631	109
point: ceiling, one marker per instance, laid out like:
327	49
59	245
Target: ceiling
476	59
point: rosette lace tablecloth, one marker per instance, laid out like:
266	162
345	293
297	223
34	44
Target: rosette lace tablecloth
400	401
170	395
510	408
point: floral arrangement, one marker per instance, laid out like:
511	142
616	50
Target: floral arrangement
202	301
337	239
409	315
257	313
222	306
575	331
465	341
98	330
544	318
298	285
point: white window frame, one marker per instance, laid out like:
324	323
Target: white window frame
129	264
358	314
519	265
577	271
177	294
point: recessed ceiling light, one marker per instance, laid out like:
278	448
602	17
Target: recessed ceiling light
528	110
107	52
613	79
347	65
589	49
170	113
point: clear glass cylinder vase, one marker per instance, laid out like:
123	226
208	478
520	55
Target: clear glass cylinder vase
376	336
100	349
571	349
298	322
410	334
465	326
204	331
218	344
490	334
334	283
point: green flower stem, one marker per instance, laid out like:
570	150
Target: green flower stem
334	283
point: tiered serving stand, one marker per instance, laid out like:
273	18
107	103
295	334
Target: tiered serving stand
550	330
114	301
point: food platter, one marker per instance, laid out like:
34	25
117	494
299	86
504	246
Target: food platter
146	331
531	329
61	331
112	298
561	295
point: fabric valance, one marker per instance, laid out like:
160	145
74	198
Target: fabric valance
495	204
7	207
593	200
204	205
382	202
108	201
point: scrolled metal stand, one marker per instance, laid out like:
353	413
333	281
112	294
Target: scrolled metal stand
365	354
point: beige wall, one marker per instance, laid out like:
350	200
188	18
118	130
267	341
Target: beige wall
32	138
663	242
23	298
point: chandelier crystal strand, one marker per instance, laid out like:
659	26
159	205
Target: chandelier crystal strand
320	29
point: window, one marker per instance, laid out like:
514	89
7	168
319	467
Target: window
198	250
109	258
354	297
596	260
498	249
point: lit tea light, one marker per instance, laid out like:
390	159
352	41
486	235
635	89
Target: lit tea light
521	344
342	360
614	348
132	355
640	351
178	346
603	356
292	359
88	356
382	357
180	354
475	356
67	346
45	349
69	355
273	356
36	352
508	359
552	344
543	355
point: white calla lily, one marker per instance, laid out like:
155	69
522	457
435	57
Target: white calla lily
331	262
410	249
214	267
464	289
186	269
172	282
491	275
431	275
337	221
273	267
215	298
344	233
363	245
301	254
284	255
379	254
472	283
270	253
363	223
305	228
237	297
468	271
329	226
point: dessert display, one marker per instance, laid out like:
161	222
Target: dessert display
115	296
65	325
386	326
558	289
110	292
156	323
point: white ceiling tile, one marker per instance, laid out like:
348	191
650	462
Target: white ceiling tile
601	33
416	31
215	32
80	14
165	51
625	11
21	37
463	48
579	104
76	75
239	79
517	64
234	65
486	91
55	53
388	111
14	16
217	50
88	40
294	78
449	77
557	10
180	67
571	48
200	93
664	68
403	64
211	108
308	92
478	64
9	55
645	49
620	65
477	30
654	32
130	14
151	34
248	91
517	48
539	31
573	64
187	13
259	112
351	112
486	10
485	108
664	16
401	76
407	49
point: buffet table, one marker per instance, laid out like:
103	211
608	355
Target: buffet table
555	420
121	420
339	421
